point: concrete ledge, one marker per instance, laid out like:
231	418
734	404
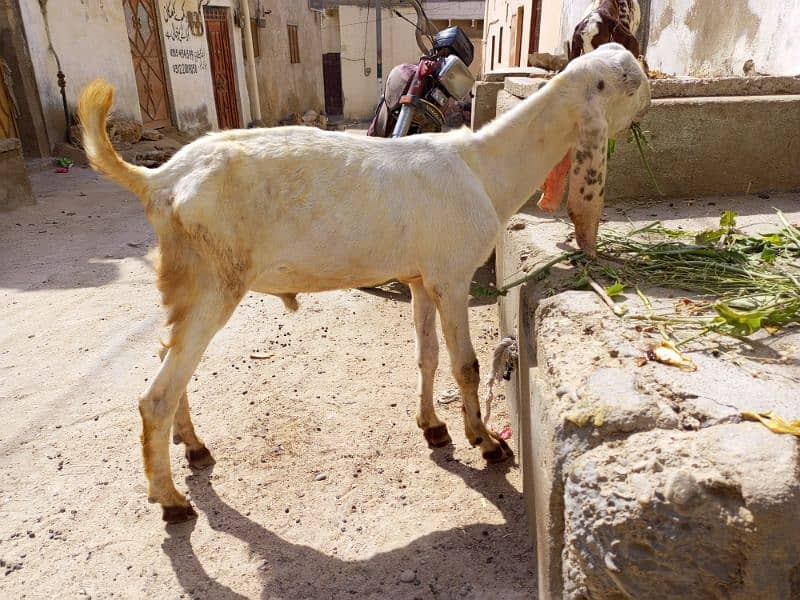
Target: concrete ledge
522	87
713	146
705	145
500	74
640	480
688	87
16	189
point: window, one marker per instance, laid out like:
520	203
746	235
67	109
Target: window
491	68
500	48
256	46
294	47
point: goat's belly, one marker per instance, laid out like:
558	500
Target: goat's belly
291	279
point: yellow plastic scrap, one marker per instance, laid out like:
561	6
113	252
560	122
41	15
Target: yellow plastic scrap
774	423
581	419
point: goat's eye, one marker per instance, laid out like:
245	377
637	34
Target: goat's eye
601	85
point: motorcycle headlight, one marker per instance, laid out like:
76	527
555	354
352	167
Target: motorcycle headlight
455	77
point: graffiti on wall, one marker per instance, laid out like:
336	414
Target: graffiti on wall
180	24
193	61
176	28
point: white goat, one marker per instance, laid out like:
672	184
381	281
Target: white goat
289	210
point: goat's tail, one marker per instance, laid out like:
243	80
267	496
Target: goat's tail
93	108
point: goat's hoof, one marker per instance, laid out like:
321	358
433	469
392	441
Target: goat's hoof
177	439
178	514
437	437
501	453
200	458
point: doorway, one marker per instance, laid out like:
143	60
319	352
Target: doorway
517	22
223	76
536	18
332	80
141	20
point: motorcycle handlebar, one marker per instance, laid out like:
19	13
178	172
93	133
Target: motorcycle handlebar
424	27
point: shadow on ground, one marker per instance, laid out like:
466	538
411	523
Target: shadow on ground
399	292
458	562
75	236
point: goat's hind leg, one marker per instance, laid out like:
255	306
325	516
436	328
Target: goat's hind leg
183	431
160	404
434	430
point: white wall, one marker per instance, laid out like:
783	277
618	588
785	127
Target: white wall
399	46
712	38
91	40
331	32
698	38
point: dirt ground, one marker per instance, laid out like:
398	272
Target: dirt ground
79	334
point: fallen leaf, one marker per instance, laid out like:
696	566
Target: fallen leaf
668	354
774	423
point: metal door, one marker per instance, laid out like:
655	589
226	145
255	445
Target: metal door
332	78
141	20
222	73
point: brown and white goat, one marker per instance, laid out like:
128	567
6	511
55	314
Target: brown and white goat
292	210
607	21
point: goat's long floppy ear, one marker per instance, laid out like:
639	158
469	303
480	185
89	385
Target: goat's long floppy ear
587	177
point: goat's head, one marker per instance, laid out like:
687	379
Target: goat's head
612	91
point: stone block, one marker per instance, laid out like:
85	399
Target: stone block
675	514
124	130
15	190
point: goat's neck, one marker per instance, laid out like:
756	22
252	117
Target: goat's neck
513	154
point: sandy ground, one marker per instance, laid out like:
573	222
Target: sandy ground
78	339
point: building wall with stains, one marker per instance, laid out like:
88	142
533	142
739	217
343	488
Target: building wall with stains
90	39
702	39
188	68
284	87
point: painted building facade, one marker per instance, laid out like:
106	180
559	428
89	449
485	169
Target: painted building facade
684	37
174	63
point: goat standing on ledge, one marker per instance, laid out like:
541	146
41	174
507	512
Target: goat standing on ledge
607	21
293	209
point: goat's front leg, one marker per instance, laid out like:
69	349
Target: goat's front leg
452	302
424	310
159	405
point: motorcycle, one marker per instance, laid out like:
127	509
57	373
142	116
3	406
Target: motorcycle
422	98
